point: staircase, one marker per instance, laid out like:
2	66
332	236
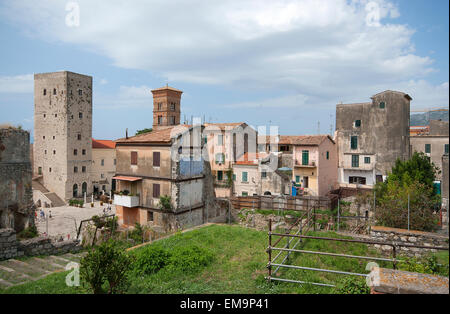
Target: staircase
54	199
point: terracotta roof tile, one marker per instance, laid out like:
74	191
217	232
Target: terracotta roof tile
103	144
156	136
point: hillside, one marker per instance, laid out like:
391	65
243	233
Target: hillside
422	118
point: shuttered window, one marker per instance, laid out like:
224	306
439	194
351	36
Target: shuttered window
156	159
244	176
427	148
305	157
357	123
134	158
156	190
367	160
446	148
354	142
355	160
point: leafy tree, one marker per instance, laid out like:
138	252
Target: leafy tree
106	263
146	130
165	202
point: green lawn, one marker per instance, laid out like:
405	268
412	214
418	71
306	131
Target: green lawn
239	266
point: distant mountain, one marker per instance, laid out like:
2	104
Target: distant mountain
422	118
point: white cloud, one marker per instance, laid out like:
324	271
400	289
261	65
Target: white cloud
19	84
321	50
126	97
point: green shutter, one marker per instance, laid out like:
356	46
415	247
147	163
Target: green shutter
328	155
244	193
297	179
367	160
382	105
355	161
220	175
234	177
428	148
358	123
354	142
244	176
446	148
305	157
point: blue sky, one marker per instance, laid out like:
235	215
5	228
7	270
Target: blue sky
285	63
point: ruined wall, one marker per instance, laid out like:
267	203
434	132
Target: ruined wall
10	247
16	197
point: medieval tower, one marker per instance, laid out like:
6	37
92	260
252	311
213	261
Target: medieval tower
166	107
63	133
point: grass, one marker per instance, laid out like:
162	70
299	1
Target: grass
239	266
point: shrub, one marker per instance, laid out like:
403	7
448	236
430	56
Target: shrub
424	265
107	263
190	258
165	202
150	259
137	233
28	233
352	285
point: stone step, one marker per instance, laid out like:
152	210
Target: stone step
47	264
25	267
10	270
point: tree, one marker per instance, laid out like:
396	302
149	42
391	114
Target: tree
106	263
147	130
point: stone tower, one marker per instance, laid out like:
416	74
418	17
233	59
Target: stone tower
63	132
166	107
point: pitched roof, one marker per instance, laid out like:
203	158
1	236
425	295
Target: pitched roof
103	144
296	139
166	88
250	159
221	126
156	136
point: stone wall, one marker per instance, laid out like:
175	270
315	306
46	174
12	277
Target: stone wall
10	247
411	237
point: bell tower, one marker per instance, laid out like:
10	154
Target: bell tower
166	107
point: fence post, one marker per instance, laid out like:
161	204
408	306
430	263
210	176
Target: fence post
269	249
338	215
314	217
394	255
408	211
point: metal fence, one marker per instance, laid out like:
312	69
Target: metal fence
301	235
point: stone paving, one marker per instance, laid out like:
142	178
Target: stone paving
66	219
15	272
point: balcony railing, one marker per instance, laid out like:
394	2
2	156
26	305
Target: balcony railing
299	163
126	200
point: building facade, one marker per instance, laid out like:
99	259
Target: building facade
63	133
166	107
371	137
103	166
315	162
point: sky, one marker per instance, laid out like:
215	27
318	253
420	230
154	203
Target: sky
284	63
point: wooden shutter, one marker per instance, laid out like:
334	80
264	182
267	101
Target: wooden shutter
156	159
156	190
134	158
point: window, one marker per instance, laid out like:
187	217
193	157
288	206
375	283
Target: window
114	162
172	120
305	157
134	158
305	182
75	190
382	105
284	148
149	216
156	159
102	162
357	123
244	176
45	152
45	92
234	177
102	175
297	179
43	137
79	137
75	152
244	193
220	158
84	188
445	148
160	119
156	190
354	142
83	169
328	155
40	170
367	160
355	160
80	92
263	174
219	139
54	152
427	148
80	115
172	106
220	175
104	187
357	180
54	91
53	137
45	115
160	106
50	169
83	152
75	169
56	115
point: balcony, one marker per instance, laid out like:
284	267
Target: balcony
126	200
311	164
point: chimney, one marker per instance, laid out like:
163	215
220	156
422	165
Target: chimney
126	133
